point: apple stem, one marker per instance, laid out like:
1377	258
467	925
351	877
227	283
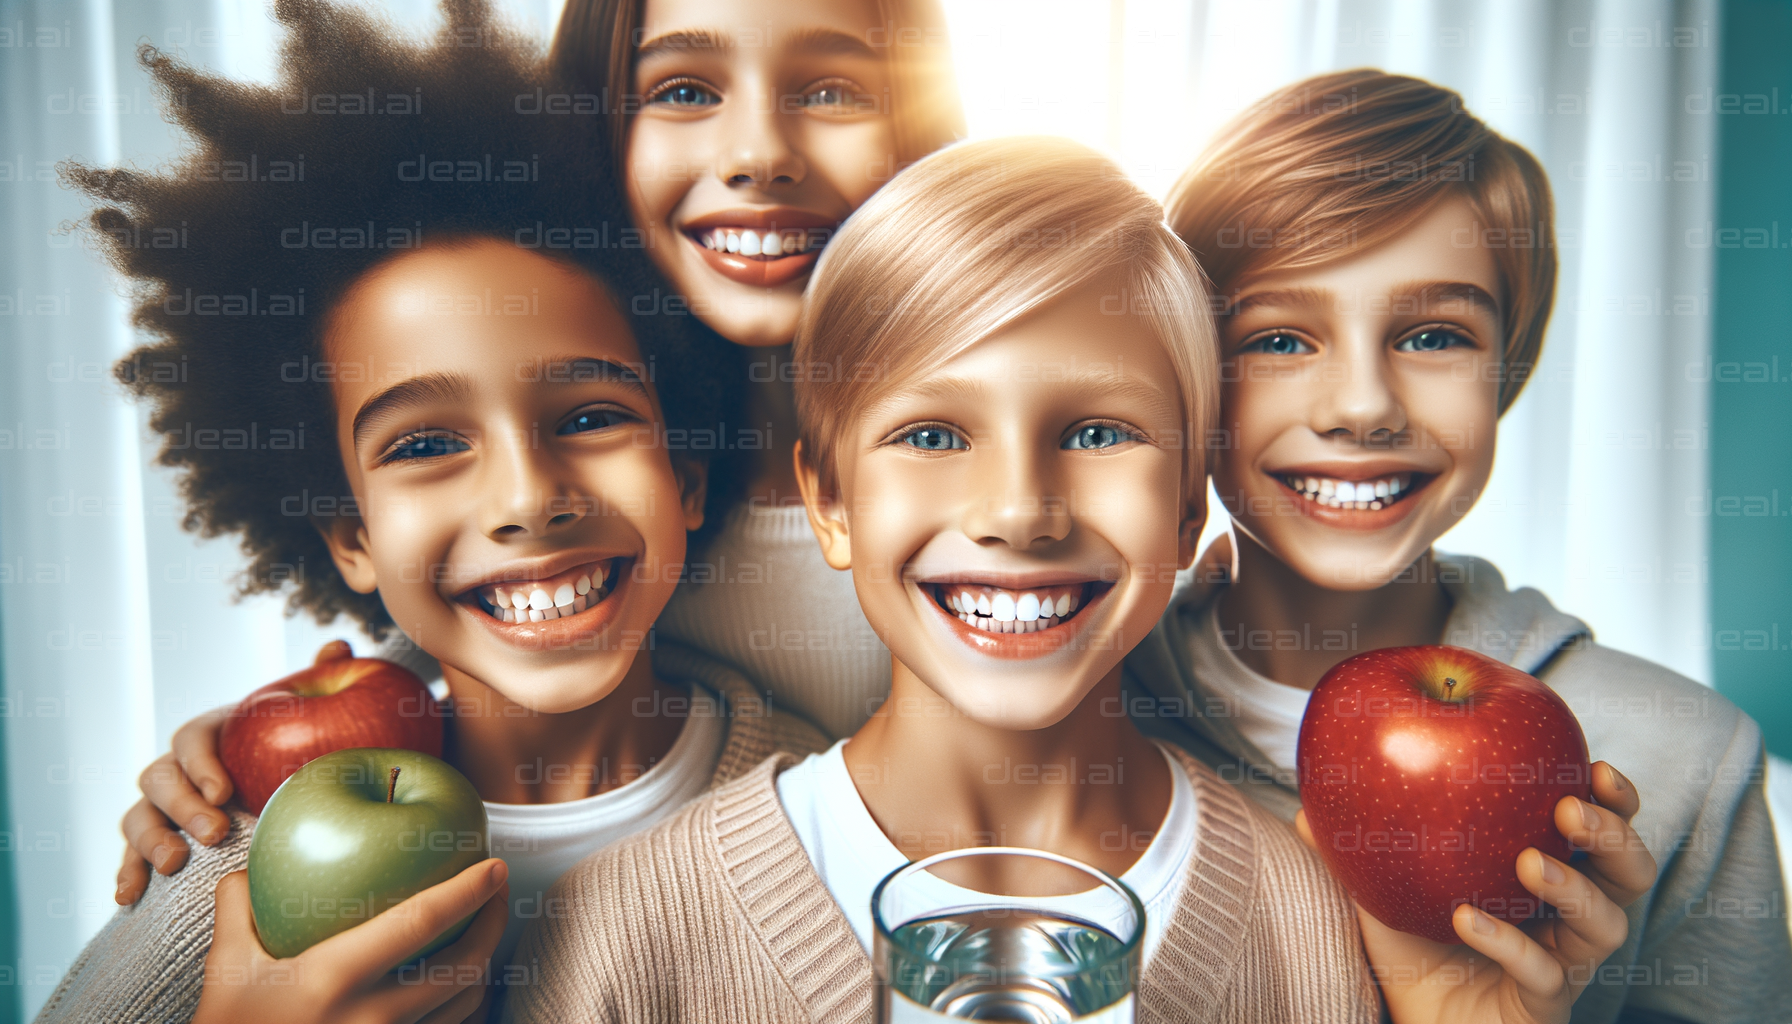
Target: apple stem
1449	684
392	786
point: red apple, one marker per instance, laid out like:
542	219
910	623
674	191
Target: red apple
1425	771
341	701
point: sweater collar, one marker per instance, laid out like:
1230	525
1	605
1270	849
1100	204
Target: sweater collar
806	936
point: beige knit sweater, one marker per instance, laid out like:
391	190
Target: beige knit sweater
717	915
147	965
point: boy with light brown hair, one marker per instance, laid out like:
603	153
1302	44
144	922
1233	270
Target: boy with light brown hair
1385	264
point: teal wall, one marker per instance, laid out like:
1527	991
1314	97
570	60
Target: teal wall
1751	370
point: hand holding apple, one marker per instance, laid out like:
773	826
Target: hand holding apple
349	976
341	701
1506	974
356	832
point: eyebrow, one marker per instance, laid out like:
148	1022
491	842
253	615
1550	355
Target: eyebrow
420	390
1429	293
813	40
453	387
970	389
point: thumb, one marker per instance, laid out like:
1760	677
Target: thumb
233	923
1305	831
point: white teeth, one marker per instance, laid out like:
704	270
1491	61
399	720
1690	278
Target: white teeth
1327	488
1396	485
1064	603
733	243
1381	488
749	243
498	598
597	578
983	605
579	603
564	594
535	615
1313	484
771	245
539	600
1027	608
1346	491
582	585
1002	608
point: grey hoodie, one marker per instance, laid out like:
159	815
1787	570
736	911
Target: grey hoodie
1710	941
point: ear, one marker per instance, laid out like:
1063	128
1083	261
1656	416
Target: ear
1188	534
693	489
346	537
827	516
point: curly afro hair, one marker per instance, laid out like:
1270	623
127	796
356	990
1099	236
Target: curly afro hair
369	145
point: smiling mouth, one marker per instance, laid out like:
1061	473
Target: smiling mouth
1361	495
995	610
762	244
557	597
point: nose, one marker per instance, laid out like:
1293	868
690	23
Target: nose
525	492
756	147
1019	505
1358	400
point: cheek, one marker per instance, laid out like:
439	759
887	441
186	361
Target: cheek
658	177
855	159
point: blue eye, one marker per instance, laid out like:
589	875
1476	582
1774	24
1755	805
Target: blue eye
935	439
593	419
687	95
1432	341
425	446
1278	345
837	95
1097	435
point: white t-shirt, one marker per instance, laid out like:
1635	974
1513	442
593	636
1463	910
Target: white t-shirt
852	854
1266	712
541	841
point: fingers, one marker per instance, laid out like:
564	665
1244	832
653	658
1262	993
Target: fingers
1538	975
394	936
153	838
438	989
1615	792
1618	862
196	750
233	923
469	1006
133	877
165	786
1588	925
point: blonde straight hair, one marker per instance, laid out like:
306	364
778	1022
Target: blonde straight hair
969	240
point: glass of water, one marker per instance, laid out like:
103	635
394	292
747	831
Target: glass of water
1003	933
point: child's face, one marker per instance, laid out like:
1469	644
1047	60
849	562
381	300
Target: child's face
498	447
761	120
1378	373
1043	465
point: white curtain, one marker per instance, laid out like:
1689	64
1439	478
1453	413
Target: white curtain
118	626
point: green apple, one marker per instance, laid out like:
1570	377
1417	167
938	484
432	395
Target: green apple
356	832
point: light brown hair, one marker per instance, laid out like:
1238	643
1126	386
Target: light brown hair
1340	162
967	241
595	42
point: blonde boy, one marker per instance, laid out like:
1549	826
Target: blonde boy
1006	355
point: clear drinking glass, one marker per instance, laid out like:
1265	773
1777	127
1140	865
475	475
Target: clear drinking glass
1003	933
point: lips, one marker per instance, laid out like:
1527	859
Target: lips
553	611
1018	622
764	248
1367	502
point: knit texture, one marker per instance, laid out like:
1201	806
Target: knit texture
147	965
717	915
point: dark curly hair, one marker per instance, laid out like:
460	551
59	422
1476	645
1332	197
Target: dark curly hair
369	146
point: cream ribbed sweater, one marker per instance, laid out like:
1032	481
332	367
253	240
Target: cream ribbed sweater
718	915
148	963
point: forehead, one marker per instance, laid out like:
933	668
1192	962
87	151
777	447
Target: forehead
484	309
1444	247
743	24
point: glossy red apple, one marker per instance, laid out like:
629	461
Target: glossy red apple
1425	771
341	701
